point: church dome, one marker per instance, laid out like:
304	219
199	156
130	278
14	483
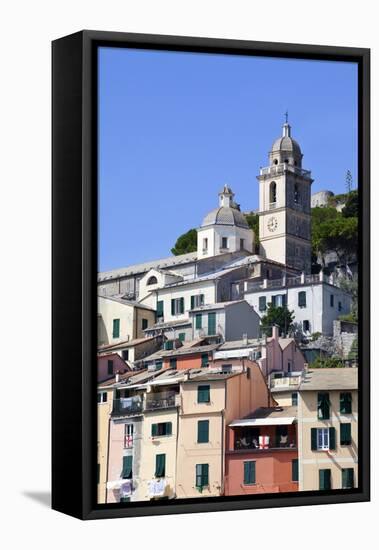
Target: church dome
286	143
224	215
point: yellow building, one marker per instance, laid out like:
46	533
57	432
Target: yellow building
157	474
209	402
104	408
328	429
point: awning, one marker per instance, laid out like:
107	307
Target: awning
263	422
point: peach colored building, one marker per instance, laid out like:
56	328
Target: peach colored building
262	452
210	400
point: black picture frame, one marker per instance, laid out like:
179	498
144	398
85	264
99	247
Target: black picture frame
74	272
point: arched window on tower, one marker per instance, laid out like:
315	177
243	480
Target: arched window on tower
272	194
296	195
152	280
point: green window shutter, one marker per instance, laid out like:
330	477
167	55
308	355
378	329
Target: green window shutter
182	336
110	366
172	307
332	439
203	394
145	324
173	363
206	474
203	431
347	478
168	428
160	465
192	302
314	439
284	300
323	406
154	430
324	480
295	469
160	308
262	303
204	359
181	307
169	345
202	299
116	328
345	403
158	364
345	434
127	465
249	472
199	319
202	476
211	324
302	299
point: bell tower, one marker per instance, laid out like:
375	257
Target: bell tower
285	205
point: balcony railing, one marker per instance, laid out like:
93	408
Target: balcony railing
163	400
278	169
277	442
285	381
126	405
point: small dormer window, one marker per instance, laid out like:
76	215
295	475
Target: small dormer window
152	280
224	242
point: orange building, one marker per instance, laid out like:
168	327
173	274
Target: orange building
262	453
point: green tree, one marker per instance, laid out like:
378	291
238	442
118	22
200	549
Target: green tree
280	316
339	235
253	221
320	215
353	353
327	363
185	243
351	208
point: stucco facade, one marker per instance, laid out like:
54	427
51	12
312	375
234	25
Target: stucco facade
229	396
121	320
333	454
104	407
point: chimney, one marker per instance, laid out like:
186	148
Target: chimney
117	376
275	332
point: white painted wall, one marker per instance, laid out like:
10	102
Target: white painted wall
208	288
317	311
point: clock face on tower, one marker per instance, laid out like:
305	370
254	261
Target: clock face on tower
272	224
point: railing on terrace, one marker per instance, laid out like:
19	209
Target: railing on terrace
161	400
277	442
126	405
285	381
278	169
288	282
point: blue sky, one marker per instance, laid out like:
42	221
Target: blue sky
174	127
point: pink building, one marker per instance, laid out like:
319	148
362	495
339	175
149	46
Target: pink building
110	364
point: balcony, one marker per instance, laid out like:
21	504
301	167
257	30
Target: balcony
284	381
162	400
277	443
127	405
279	169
